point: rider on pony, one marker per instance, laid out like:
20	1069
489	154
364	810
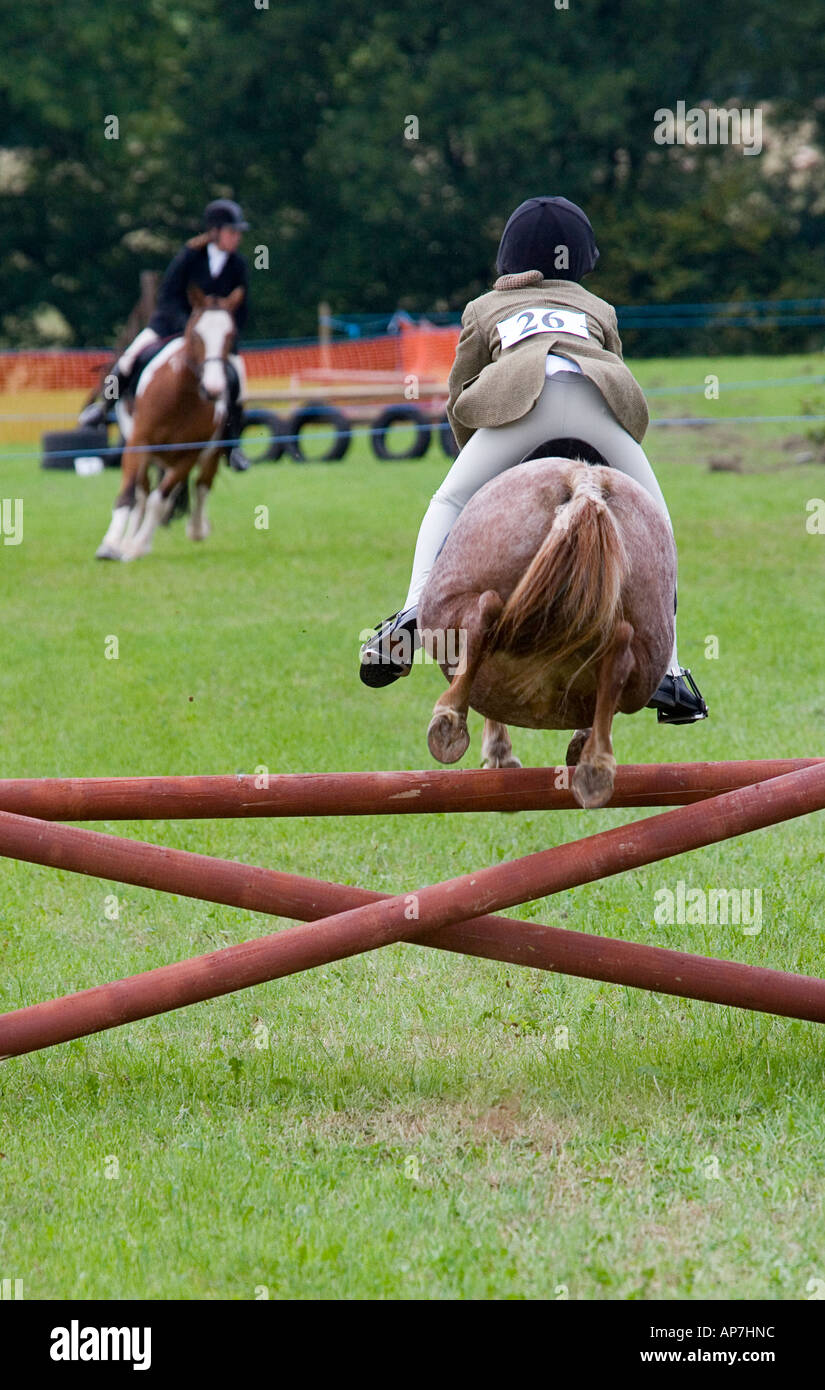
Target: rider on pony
539	359
210	261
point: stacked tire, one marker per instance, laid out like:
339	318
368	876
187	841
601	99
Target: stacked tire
274	446
338	426
397	415
62	449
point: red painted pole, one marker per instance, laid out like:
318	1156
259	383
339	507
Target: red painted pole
370	793
492	938
419	915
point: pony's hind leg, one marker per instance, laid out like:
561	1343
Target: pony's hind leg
496	748
575	746
447	736
592	783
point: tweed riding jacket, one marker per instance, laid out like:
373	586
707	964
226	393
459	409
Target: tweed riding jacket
491	384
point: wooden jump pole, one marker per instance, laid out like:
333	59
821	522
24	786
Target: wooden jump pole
418	916
370	793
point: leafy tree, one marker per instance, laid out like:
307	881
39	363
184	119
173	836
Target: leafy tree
304	112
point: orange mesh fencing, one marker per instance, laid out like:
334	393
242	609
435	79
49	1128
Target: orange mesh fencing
418	348
43	389
50	370
428	352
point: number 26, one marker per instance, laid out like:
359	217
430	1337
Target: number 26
527	322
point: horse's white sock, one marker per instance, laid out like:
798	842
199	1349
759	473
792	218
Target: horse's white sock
135	516
152	517
117	526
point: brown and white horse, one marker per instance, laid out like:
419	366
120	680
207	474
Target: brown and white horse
181	398
559	579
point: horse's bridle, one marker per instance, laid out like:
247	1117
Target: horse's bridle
196	368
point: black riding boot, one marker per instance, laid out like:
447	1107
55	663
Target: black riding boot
678	700
96	411
234	424
389	654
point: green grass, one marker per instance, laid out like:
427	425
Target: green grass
413	1129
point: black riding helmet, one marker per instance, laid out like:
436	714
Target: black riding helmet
224	213
535	234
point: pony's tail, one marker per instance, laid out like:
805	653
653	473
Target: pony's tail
568	598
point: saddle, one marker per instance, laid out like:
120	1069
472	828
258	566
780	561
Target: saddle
567	449
144	357
150	352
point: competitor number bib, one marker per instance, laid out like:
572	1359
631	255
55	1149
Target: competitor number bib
540	320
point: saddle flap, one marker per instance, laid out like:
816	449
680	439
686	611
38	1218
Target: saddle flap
144	357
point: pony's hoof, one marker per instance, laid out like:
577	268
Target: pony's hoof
107	552
508	760
575	747
592	786
448	737
198	533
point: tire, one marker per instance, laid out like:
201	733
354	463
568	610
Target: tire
62	447
448	439
394	415
277	429
312	414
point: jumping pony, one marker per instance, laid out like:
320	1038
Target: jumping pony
558	581
181	398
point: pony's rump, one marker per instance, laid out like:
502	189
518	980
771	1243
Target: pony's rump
567	600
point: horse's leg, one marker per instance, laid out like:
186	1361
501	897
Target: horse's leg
136	516
197	527
169	487
159	501
128	509
496	748
166	519
575	746
592	783
447	736
110	546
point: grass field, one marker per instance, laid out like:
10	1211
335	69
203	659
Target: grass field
415	1126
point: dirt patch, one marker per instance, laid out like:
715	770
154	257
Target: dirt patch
503	1123
722	464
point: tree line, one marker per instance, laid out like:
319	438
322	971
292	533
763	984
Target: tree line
378	150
